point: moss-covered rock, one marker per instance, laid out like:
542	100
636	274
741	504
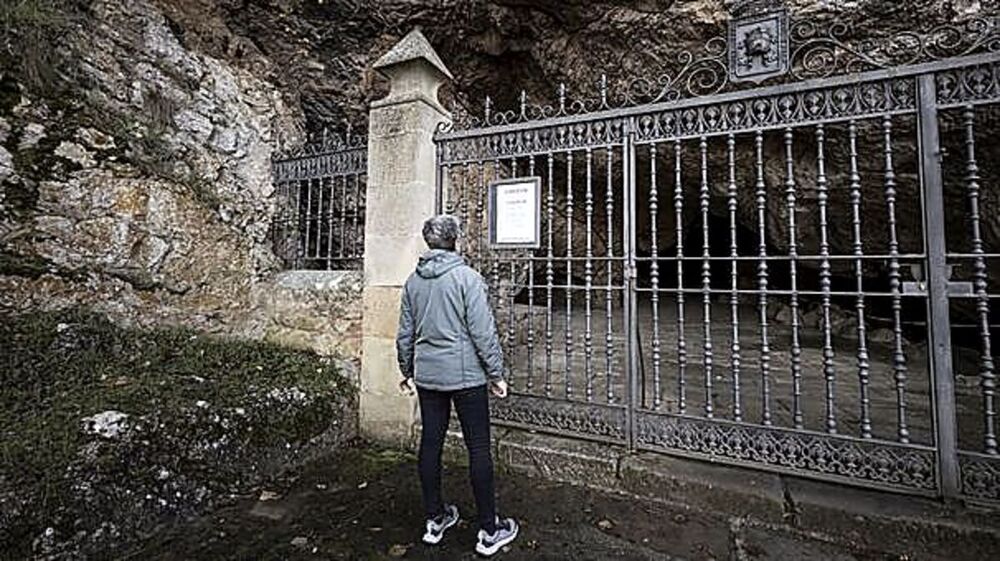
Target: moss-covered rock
106	432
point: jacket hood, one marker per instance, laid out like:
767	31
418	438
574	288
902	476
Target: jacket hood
437	262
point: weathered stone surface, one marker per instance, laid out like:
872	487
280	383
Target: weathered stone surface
389	418
317	310
151	200
381	303
380	356
704	486
400	196
560	459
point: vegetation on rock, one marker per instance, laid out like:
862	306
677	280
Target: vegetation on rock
106	431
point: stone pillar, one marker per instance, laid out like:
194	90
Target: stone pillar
400	196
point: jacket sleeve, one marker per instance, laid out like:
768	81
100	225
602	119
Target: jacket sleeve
482	327
405	336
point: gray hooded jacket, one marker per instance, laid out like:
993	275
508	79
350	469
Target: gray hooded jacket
447	338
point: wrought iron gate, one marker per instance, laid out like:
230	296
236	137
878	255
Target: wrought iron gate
768	275
319	189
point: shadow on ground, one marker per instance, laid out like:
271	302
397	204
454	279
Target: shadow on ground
365	504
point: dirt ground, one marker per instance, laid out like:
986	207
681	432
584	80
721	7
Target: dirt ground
365	504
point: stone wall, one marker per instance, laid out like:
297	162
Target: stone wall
315	310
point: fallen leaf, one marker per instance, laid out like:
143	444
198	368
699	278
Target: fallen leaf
268	496
398	550
362	485
605	524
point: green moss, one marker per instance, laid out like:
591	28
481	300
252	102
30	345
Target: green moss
206	407
31	14
10	94
31	29
31	266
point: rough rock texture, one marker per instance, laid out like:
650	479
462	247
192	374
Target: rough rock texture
315	310
147	197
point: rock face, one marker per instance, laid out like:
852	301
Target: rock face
140	183
149	197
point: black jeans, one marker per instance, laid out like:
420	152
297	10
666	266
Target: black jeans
472	405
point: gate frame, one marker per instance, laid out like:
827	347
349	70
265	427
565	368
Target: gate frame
926	112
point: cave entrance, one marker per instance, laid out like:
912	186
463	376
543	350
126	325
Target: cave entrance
798	277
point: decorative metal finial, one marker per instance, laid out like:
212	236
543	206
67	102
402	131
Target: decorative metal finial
604	90
486	111
524	105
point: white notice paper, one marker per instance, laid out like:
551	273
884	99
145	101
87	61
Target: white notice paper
516	213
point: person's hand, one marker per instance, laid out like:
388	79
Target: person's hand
499	388
406	386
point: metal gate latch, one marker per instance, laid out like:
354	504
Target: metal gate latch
918	286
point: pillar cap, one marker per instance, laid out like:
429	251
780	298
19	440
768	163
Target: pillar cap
413	47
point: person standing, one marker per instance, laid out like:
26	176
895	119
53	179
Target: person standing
447	346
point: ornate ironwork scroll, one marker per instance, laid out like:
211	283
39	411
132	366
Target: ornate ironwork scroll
823	48
327	154
762	45
882	463
562	417
980	476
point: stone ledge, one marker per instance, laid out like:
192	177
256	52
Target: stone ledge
705	486
317	280
769	514
559	459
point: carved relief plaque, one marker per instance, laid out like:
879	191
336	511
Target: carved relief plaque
758	44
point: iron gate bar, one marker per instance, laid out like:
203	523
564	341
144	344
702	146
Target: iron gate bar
762	278
569	275
679	219
630	297
898	357
706	278
793	245
939	335
859	305
988	382
825	283
655	275
734	298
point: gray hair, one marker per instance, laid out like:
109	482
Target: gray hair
441	231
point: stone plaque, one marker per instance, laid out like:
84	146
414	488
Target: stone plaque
515	213
758	45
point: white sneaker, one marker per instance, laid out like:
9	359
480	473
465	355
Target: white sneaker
505	533
435	529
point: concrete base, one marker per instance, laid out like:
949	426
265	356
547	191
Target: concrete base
766	513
